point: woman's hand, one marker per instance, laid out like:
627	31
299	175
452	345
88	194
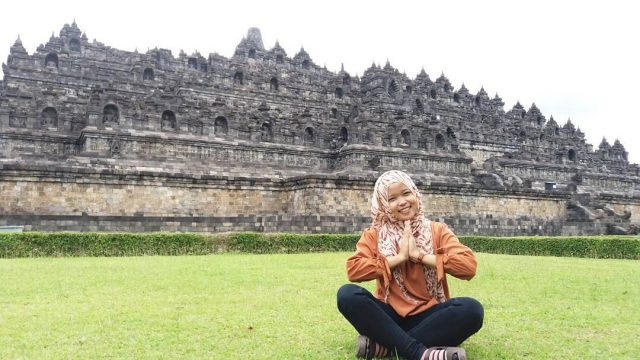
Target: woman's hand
403	251
407	234
405	243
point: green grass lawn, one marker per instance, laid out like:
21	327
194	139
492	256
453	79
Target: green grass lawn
234	306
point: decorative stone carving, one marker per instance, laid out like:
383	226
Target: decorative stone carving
114	146
268	115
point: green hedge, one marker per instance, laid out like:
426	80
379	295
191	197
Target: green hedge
609	247
34	244
290	243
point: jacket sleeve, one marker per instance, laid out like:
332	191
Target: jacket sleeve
452	257
367	263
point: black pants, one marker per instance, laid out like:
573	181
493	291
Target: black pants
446	324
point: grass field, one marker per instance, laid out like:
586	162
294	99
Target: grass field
234	306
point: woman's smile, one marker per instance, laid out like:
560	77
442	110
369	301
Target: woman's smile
402	202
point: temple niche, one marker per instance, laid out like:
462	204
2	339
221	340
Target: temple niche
110	115
148	74
168	121
266	116
266	133
309	137
51	61
49	117
74	45
221	126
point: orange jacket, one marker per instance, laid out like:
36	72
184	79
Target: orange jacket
452	257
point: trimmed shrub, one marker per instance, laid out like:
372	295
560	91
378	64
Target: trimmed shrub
250	243
290	243
34	244
610	247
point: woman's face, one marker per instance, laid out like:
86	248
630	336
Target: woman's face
402	203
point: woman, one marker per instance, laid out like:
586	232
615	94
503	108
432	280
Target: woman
411	313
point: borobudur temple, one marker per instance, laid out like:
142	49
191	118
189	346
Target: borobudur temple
93	138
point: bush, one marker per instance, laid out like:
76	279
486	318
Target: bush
291	243
610	247
34	244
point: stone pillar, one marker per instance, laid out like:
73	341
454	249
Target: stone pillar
4	118
93	119
206	129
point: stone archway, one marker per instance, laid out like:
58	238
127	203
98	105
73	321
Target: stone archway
51	61
238	78
344	135
273	84
49	117
405	135
266	132
168	121
440	144
220	126
148	74
110	114
74	45
309	136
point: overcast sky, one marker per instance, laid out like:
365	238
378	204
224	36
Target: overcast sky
573	59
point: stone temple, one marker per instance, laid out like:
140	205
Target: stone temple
93	138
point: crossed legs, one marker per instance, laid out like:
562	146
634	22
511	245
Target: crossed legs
446	324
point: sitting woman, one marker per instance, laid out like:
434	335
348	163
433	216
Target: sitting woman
411	313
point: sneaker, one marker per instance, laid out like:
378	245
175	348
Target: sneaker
369	349
444	353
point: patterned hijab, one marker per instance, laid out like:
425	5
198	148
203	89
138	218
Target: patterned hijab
390	231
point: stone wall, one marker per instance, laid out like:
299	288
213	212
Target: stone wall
109	201
622	204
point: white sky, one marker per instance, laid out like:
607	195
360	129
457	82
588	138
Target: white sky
574	59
